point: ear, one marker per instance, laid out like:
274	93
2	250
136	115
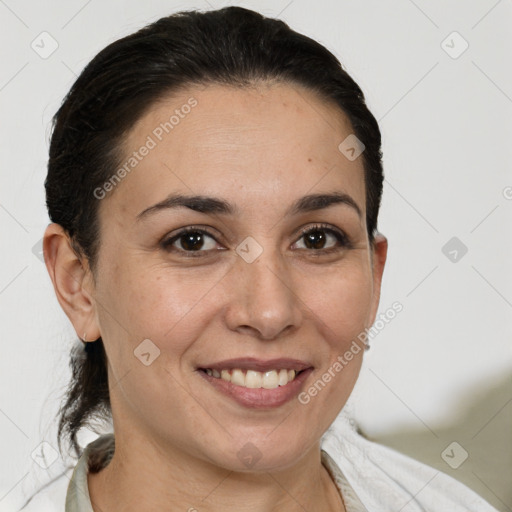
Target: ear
378	261
71	279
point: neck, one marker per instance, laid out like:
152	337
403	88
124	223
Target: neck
142	476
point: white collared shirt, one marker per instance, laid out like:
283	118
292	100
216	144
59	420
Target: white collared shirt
370	477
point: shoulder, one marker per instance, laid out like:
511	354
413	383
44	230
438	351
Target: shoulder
69	490
383	478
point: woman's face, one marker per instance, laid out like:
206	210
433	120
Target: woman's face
270	277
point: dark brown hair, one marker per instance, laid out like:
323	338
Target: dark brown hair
231	46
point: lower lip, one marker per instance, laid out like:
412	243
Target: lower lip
259	398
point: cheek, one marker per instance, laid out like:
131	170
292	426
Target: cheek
342	310
341	302
168	307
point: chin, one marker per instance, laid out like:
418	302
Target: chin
262	453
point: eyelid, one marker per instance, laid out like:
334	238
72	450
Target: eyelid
319	225
341	236
168	240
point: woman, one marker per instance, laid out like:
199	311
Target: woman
214	184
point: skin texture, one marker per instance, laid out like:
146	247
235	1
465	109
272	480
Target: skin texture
177	437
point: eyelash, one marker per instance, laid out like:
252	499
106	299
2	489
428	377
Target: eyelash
341	238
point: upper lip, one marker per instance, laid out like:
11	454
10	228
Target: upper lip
260	365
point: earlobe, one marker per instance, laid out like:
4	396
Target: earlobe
69	276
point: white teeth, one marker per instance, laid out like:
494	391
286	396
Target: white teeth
253	379
270	380
238	378
283	377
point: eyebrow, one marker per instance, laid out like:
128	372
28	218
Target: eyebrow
212	205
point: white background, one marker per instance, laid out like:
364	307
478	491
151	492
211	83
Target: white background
441	370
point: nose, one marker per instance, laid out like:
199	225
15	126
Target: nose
262	300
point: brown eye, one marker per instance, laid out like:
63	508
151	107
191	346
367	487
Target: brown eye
190	240
315	239
321	238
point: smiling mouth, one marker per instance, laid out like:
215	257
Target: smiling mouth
253	379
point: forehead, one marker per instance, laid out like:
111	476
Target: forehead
263	141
